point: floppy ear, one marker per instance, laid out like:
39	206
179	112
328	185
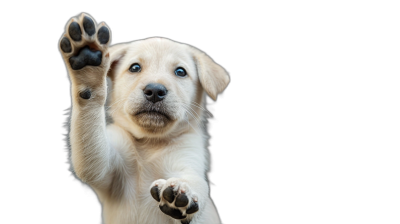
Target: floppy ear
213	77
117	52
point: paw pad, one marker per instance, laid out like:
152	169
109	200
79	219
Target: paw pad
89	26
174	213
168	194
194	207
66	45
155	193
75	32
86	94
103	35
85	57
181	200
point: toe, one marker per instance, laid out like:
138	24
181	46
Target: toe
103	35
65	45
168	194
88	25
155	193
181	200
194	207
74	31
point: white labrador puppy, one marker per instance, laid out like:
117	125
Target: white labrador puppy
150	164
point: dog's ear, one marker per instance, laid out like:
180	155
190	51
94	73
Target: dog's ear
213	77
117	52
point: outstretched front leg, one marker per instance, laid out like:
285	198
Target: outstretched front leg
84	47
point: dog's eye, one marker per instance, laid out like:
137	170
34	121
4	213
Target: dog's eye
135	68
180	72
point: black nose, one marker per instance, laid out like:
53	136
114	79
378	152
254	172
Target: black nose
155	92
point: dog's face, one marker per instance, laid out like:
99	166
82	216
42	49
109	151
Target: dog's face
159	84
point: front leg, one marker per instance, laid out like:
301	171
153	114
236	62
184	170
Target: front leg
181	198
84	47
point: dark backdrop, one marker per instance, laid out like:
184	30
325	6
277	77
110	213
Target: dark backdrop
251	132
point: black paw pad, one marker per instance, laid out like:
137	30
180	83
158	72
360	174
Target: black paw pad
168	194
86	94
181	200
194	207
89	26
103	35
85	57
174	213
65	45
74	31
155	193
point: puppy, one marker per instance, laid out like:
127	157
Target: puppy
150	164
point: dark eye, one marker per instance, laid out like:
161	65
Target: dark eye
180	72
135	68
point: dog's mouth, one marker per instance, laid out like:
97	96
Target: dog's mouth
152	114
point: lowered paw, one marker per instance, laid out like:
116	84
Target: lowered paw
175	198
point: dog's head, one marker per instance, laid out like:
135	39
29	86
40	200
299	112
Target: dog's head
159	84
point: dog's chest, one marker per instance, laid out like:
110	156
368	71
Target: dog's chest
146	166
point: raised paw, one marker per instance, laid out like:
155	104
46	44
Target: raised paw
84	43
175	198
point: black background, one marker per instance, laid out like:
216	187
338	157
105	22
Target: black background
251	132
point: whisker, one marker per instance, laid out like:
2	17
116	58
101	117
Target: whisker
196	118
195	104
188	122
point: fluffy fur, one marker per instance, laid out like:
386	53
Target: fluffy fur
121	161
